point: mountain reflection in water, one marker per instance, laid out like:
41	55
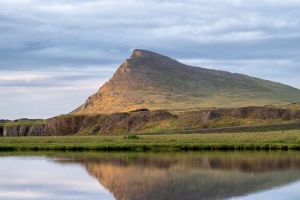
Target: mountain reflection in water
193	175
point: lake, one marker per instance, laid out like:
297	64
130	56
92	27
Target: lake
208	175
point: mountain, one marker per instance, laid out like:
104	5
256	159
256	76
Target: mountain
153	81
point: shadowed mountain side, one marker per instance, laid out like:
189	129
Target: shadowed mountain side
153	81
179	176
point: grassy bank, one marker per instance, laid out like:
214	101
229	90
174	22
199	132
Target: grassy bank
25	122
241	141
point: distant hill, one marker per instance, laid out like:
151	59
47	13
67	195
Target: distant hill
153	81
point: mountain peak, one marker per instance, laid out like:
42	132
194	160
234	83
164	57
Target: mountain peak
154	81
137	52
143	53
146	55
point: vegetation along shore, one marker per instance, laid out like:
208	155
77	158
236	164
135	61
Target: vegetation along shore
223	141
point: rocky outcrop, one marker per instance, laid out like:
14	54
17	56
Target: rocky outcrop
23	130
132	122
70	125
37	130
11	131
253	112
295	114
103	124
232	117
262	113
193	118
63	125
201	121
265	113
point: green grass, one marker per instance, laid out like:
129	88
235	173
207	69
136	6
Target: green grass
18	123
135	137
292	106
241	141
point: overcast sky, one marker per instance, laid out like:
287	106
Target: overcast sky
54	54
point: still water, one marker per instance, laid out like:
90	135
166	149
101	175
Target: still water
129	176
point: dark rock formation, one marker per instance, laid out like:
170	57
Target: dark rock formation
93	121
23	130
265	113
295	114
133	122
1	131
254	112
37	130
64	125
11	131
103	124
70	125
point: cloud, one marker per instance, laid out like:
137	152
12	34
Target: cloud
21	194
38	36
45	94
60	78
25	77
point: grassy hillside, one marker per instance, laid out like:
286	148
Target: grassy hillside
153	81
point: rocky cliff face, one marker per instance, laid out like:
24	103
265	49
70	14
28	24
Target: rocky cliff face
114	123
251	112
23	130
131	122
70	125
155	121
63	125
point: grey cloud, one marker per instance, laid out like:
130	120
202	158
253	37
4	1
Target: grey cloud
117	25
41	35
67	77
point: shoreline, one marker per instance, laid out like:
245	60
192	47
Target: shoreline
275	140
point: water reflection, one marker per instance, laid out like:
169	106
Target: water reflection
206	175
129	176
36	178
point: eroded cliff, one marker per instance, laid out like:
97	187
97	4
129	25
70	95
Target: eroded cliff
141	121
23	130
103	124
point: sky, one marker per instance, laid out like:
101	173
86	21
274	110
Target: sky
61	182
55	54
